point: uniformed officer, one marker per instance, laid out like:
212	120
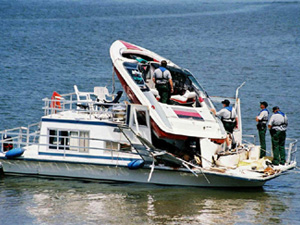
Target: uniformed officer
163	82
228	117
262	120
278	124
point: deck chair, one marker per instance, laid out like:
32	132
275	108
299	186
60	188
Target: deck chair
107	104
101	93
83	98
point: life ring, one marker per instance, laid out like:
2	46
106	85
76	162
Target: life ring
55	100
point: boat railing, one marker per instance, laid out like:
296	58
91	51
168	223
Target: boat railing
291	150
92	106
290	147
24	137
19	137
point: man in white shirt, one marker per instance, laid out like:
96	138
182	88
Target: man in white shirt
278	124
228	116
262	120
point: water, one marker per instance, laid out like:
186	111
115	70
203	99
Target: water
52	45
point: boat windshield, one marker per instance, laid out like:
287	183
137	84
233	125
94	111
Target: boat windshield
183	80
197	85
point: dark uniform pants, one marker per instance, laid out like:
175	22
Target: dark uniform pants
164	92
278	146
229	126
262	140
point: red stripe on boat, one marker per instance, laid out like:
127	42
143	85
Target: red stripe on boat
161	134
130	46
190	114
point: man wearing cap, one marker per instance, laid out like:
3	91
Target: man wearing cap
262	120
278	124
163	82
228	117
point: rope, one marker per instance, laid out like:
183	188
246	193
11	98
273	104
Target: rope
152	169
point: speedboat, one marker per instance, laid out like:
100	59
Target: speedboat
187	122
94	135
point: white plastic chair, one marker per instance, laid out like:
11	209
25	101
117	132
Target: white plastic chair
101	93
82	98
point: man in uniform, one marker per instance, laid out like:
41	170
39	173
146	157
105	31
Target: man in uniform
163	82
262	120
278	124
228	117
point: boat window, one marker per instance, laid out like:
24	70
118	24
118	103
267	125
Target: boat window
129	55
141	118
111	145
69	140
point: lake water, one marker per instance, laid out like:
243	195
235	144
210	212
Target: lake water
51	45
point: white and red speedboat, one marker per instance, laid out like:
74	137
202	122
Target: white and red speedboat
188	121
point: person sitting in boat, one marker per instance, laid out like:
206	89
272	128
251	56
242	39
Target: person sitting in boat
163	82
228	117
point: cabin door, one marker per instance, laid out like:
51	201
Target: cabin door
138	120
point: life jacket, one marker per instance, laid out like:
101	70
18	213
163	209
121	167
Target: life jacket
162	79
231	118
284	124
264	119
229	108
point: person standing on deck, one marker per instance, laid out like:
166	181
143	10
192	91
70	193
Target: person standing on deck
163	82
228	118
262	120
278	124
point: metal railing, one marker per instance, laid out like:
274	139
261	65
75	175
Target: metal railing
23	137
101	110
19	137
291	149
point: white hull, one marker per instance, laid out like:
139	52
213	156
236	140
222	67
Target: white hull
123	174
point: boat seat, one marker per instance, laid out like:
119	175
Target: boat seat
101	93
83	98
107	104
187	99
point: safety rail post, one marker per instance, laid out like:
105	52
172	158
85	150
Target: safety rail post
63	108
19	137
2	140
292	149
27	138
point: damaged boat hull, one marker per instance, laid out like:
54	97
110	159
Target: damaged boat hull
161	176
